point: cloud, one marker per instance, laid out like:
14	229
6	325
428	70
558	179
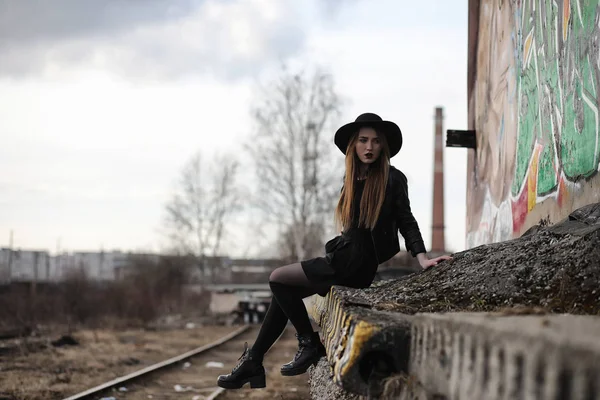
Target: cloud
148	39
40	21
331	8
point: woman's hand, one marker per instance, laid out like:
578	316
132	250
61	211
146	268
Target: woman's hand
426	262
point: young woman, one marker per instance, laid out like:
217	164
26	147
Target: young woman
373	206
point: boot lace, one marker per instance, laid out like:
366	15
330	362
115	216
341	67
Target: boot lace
242	358
302	345
299	352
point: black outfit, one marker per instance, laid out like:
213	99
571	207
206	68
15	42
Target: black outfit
352	258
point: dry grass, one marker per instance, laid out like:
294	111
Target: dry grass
149	290
108	320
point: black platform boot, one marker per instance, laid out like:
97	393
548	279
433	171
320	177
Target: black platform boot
310	350
249	369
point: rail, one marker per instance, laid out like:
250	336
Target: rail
158	366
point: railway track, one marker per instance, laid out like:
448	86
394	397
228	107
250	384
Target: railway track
191	375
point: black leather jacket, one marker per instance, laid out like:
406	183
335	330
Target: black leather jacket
396	215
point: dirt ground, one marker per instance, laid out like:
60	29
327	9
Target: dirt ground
34	369
197	378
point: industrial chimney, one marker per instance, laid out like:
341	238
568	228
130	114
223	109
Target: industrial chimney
437	231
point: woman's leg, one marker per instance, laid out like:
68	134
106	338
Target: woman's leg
290	285
274	324
250	368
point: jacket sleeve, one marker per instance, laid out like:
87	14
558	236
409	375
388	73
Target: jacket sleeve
408	226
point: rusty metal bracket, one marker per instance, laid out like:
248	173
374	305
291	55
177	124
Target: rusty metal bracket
458	138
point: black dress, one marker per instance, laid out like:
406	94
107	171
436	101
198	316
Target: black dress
349	259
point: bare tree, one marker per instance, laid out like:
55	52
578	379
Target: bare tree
298	176
197	213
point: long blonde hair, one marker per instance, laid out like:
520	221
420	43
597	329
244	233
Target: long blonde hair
374	192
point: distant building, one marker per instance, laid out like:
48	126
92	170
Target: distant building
19	265
25	265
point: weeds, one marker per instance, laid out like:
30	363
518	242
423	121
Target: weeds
478	304
148	290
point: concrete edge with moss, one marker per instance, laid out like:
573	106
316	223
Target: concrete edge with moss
359	340
491	355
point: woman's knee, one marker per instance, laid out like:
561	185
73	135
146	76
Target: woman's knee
289	274
292	274
275	275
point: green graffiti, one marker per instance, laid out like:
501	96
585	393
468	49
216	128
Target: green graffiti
558	91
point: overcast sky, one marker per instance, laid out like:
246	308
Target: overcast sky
102	102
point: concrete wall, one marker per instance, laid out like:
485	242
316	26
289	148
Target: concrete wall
494	356
223	302
534	88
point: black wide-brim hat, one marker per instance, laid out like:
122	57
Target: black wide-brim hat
388	128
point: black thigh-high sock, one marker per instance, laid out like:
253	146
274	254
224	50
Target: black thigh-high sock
274	324
271	328
290	301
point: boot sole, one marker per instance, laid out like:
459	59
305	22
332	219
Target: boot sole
299	371
256	382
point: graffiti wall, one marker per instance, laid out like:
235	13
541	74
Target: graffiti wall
536	100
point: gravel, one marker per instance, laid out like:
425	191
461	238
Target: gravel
322	386
548	269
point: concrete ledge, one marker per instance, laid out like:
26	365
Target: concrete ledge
491	356
363	345
458	355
